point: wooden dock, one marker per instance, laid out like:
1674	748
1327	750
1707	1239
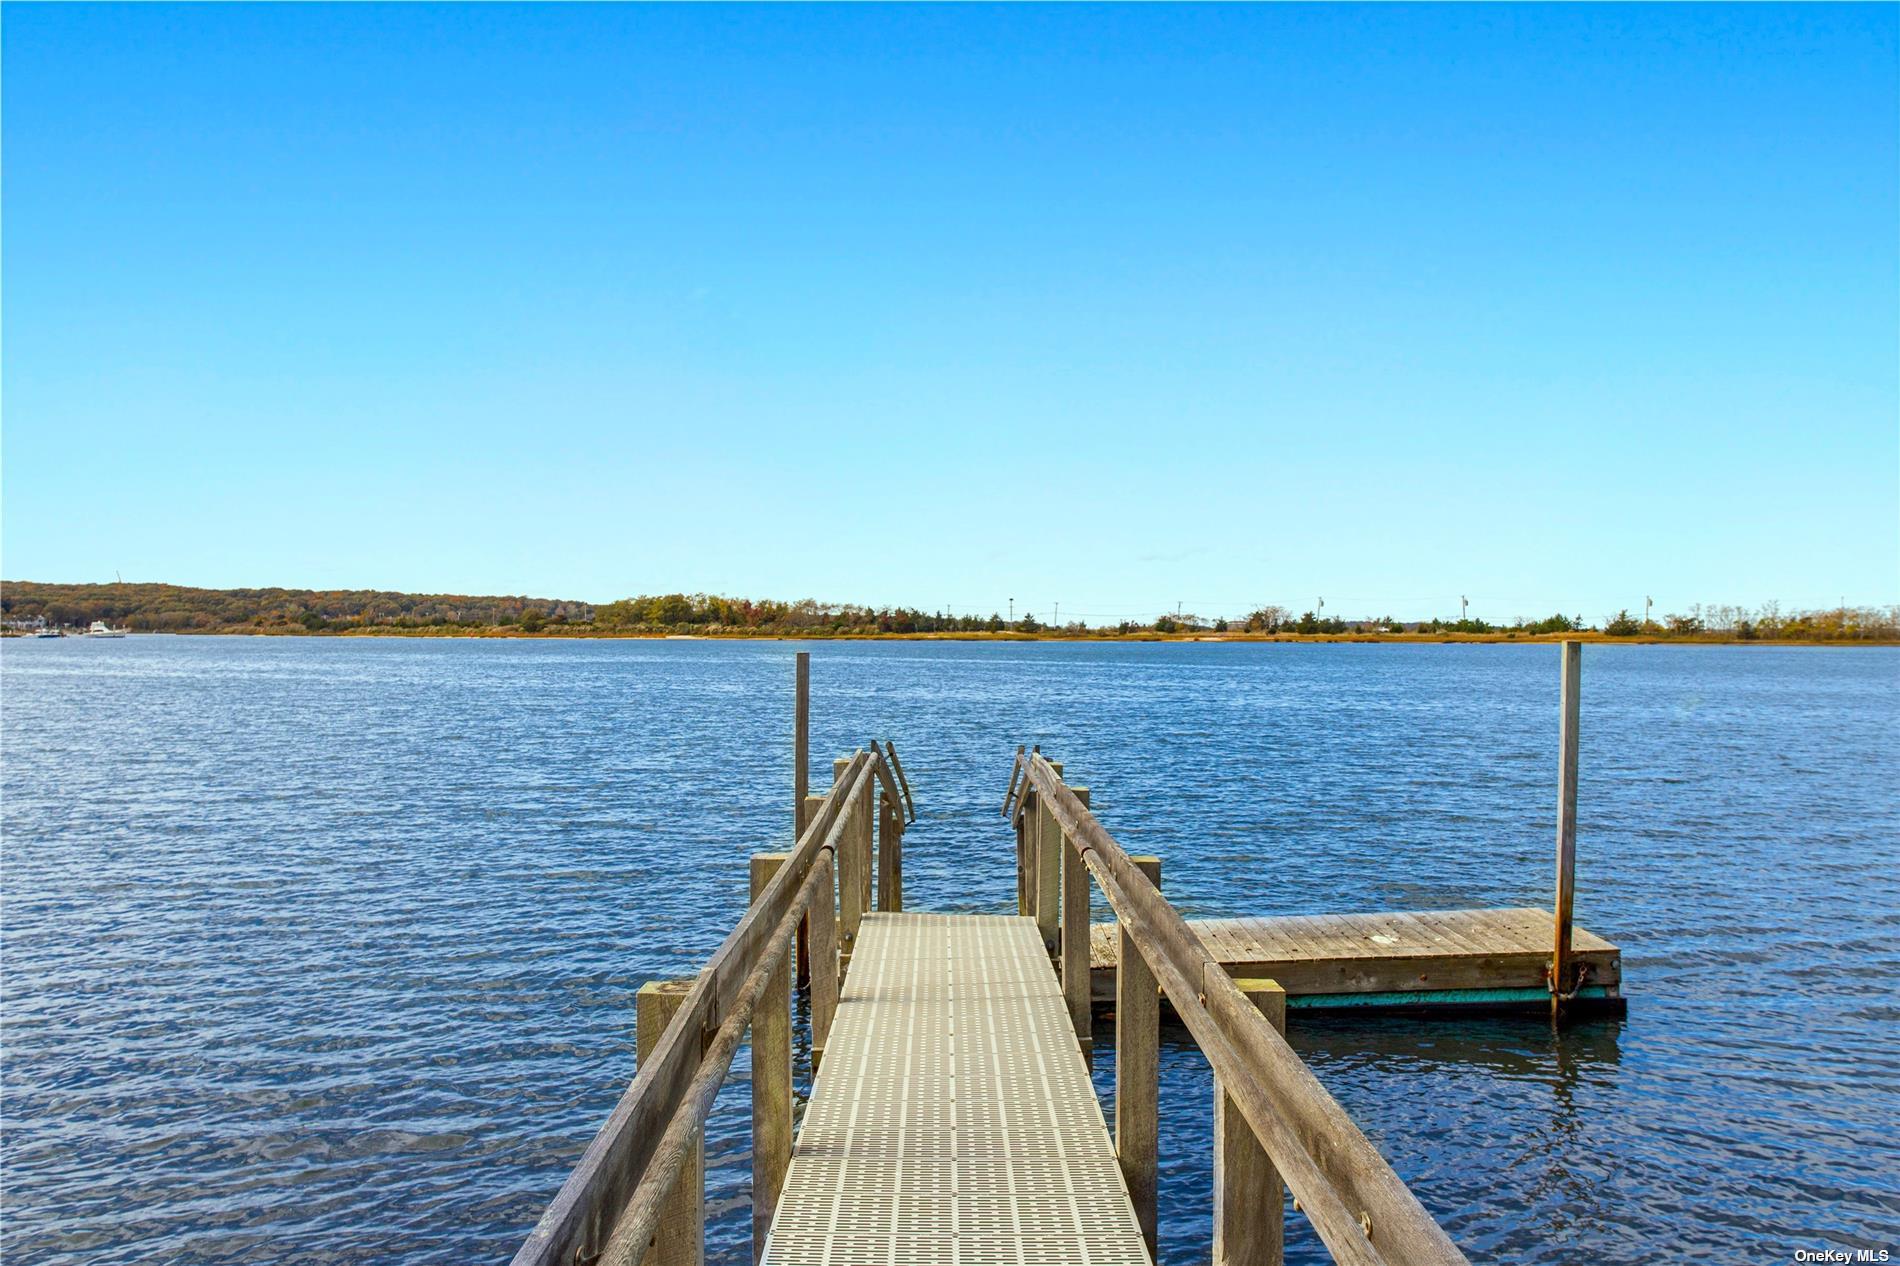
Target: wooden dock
952	1117
1473	958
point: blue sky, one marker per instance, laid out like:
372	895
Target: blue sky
1112	307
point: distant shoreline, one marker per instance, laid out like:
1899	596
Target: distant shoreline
1418	639
164	608
1295	639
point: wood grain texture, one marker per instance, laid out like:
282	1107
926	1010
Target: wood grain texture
823	920
1397	952
680	1239
1249	1201
771	1078
890	855
801	741
1570	708
1137	1083
1075	942
1048	870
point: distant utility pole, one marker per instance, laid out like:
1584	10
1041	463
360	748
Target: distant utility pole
1012	610
1057	617
1322	604
1464	608
1648	602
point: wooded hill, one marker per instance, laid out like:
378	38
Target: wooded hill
177	609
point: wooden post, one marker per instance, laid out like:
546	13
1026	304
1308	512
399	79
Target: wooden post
1249	1203
824	958
1047	842
1572	680
801	745
680	1239
866	822
1025	859
897	862
1137	1068
857	840
828	909
1075	939
771	1080
801	788
890	854
850	885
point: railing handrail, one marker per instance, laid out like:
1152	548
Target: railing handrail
1015	772
1362	1210
897	767
614	1196
884	760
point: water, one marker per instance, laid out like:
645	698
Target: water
325	950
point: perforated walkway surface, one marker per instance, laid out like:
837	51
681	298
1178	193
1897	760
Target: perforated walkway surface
952	1120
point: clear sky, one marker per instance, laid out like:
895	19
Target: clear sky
1112	307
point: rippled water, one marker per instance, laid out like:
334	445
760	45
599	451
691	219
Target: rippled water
325	950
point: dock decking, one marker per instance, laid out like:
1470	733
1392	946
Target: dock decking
1400	958
952	1119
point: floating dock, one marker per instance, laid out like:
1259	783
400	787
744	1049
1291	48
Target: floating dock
1430	958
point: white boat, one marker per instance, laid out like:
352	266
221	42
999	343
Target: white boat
48	631
101	629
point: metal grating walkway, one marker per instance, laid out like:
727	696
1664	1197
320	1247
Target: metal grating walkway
953	1120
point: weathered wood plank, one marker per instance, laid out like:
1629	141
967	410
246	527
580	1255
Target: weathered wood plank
1249	1203
1025	876
801	790
897	767
680	1239
823	919
1047	837
1426	950
771	1078
1075	942
890	855
1571	674
1137	1072
866	821
801	742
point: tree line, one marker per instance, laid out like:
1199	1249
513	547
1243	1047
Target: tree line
157	608
179	609
1765	623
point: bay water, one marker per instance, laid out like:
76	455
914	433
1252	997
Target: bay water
325	950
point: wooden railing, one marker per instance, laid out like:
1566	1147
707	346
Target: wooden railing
1273	1119
637	1193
